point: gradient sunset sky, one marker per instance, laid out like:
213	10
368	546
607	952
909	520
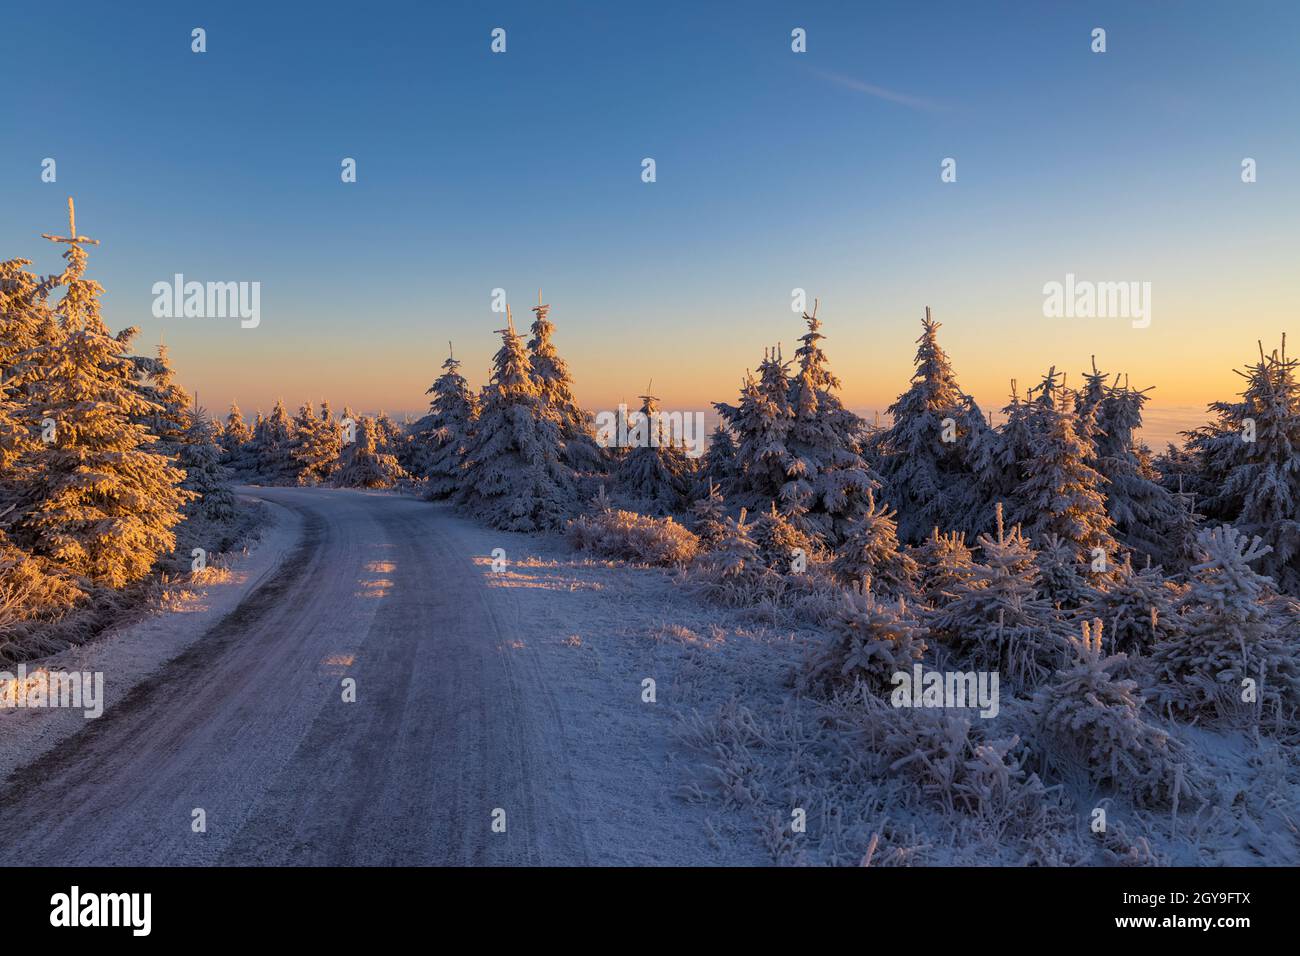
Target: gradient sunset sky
775	170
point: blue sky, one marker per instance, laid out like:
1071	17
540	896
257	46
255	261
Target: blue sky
775	170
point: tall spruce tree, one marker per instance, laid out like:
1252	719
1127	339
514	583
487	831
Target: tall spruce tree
105	503
655	473
929	452
551	375
516	475
443	436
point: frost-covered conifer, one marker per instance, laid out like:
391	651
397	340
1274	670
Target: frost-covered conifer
782	547
871	550
655	473
721	466
316	446
929	452
998	619
870	641
1087	718
105	504
1250	458
1137	606
200	454
761	423
273	439
1227	635
708	518
943	562
828	482
516	477
444	434
551	375
365	464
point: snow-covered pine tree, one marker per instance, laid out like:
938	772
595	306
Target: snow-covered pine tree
365	464
273	439
761	423
235	436
1250	458
315	447
1090	719
516	477
105	504
871	550
655	473
708	518
171	419
444	434
1137	606
1059	493
1227	636
200	455
870	641
779	541
928	453
828	482
721	465
551	375
943	562
1146	515
998	618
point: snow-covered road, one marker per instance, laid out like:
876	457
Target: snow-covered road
456	715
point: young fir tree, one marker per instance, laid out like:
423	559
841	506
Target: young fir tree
1250	462
315	446
365	463
273	440
1228	650
1147	517
828	482
1059	493
1138	607
928	453
721	466
782	547
200	454
944	562
708	518
444	434
516	477
871	550
761	423
551	376
655	473
235	435
105	502
998	618
870	641
171	419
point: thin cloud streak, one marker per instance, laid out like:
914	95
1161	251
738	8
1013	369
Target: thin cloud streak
880	93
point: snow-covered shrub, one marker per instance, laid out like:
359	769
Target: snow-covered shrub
871	550
734	573
869	642
628	536
1228	636
1089	722
32	591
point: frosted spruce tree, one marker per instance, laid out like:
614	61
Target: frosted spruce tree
445	433
782	547
928	453
721	466
171	418
105	504
273	440
870	641
871	552
708	518
1138	607
315	446
200	454
998	618
1059	494
1227	653
551	375
655	473
1250	463
828	482
1147	517
516	477
943	562
365	463
761	423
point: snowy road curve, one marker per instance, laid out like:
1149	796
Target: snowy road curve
249	723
